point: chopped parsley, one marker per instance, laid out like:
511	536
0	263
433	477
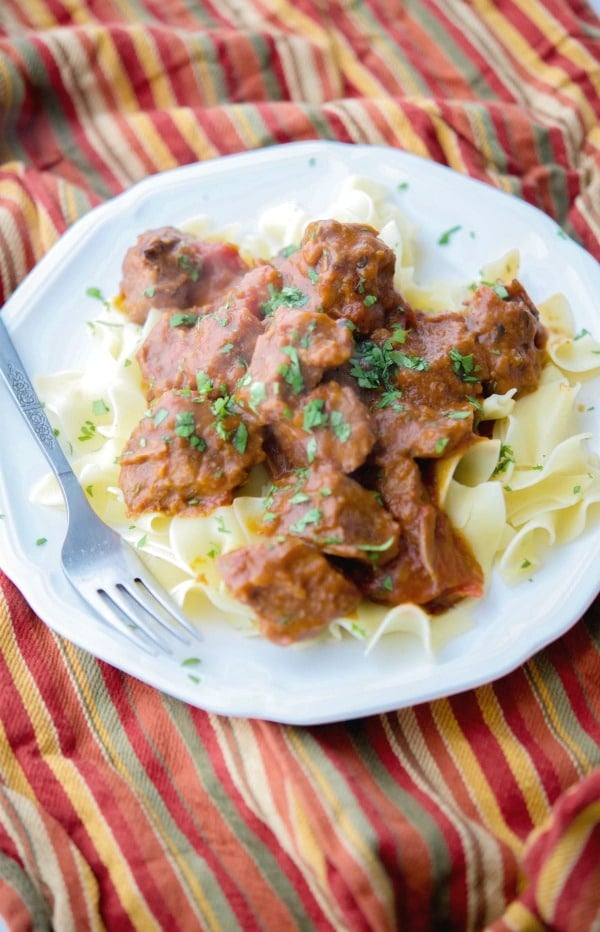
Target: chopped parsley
100	407
445	237
505	457
96	293
312	516
87	430
240	438
375	365
291	371
185	427
314	414
288	296
182	319
191	268
464	366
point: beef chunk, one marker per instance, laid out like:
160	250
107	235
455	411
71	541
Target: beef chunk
290	358
290	586
187	456
168	268
329	425
350	270
199	351
434	565
407	429
336	513
507	329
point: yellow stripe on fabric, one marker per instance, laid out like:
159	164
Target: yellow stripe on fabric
484	145
518	918
238	115
354	71
357	121
309	846
568	45
208	76
73	60
13	774
390	55
550	710
293	21
290	18
49	862
154	70
38	15
400	124
151	141
194	135
484	844
247	758
40	229
515	752
353	836
556	871
447	137
110	62
8	84
498	52
459	748
103	738
74	786
554	77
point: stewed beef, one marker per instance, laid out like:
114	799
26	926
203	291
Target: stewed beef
335	512
187	455
290	586
169	268
314	362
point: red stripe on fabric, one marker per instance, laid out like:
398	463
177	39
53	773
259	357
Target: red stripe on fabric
262	733
177	53
169	132
122	815
405	841
215	839
65	100
206	839
579	906
581	669
493	762
289	122
348	878
35	130
549	52
533	733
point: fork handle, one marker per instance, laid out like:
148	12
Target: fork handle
23	393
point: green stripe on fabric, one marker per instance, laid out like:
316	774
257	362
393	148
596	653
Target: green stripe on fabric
264	857
558	180
561	719
45	91
348	812
32	899
122	756
126	765
265	55
466	67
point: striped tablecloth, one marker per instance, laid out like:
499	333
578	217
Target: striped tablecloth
122	808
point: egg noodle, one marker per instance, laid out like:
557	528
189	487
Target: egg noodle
533	483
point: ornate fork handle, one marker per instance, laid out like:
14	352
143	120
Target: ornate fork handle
29	404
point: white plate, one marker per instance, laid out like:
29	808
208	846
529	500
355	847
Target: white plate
249	677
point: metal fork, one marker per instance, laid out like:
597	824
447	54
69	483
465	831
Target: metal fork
99	564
